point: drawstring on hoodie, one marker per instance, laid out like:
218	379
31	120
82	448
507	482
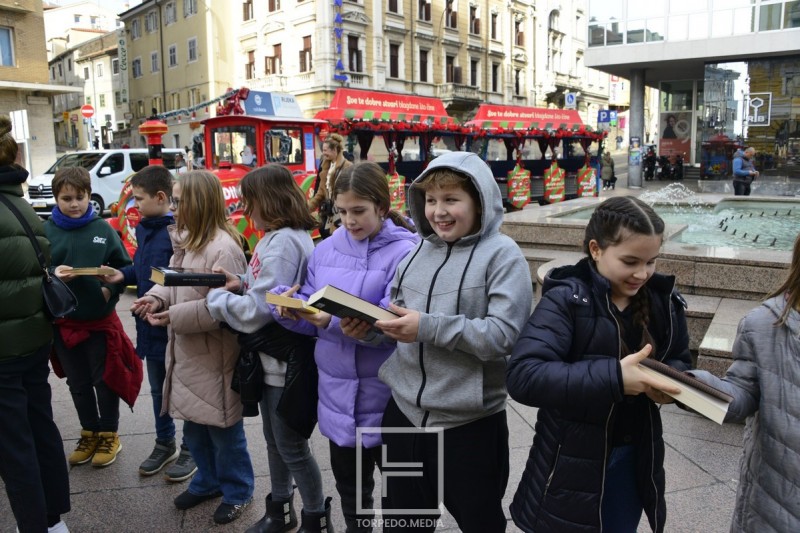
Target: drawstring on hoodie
464	275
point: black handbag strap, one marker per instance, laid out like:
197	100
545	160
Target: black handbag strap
29	231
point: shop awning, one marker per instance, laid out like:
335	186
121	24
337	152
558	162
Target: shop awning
491	116
354	104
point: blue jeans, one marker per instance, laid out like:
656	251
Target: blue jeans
621	506
289	456
165	427
223	463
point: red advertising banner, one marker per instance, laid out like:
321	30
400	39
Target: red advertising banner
354	104
587	184
397	192
554	183
518	117
519	187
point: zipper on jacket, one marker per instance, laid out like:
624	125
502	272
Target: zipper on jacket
421	347
605	465
671	325
653	466
552	472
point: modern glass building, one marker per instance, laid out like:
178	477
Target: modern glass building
723	67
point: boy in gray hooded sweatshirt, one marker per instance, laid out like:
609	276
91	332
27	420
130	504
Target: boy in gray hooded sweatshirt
463	296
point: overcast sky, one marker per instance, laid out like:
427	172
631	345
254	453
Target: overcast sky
118	5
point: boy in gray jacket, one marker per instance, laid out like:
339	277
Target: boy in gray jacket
463	296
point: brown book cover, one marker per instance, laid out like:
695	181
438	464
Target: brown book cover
343	304
701	397
174	277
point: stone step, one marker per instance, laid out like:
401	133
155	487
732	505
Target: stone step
715	352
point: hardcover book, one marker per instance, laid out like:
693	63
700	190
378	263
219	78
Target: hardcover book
291	303
174	277
91	271
698	396
343	304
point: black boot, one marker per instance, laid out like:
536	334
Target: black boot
317	522
280	517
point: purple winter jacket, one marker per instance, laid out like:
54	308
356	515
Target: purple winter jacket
350	393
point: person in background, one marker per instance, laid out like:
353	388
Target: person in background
764	381
333	162
152	189
744	172
669	130
607	171
180	165
32	463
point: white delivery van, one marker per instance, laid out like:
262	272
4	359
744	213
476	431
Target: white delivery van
108	170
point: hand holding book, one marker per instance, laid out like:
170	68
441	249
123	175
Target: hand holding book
635	381
404	328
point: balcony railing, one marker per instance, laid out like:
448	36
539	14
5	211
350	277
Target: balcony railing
458	91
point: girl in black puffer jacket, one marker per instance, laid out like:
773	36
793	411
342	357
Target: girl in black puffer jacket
597	456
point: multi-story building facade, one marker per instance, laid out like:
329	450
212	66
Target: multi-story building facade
25	91
68	26
179	53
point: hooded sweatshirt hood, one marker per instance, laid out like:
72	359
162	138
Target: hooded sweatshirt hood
481	176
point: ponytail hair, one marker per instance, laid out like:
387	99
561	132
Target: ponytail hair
612	222
335	142
367	180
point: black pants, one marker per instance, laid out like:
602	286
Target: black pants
32	462
97	405
475	474
343	465
741	188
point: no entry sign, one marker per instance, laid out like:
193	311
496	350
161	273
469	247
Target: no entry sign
87	111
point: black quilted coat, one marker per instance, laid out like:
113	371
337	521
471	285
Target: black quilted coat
566	363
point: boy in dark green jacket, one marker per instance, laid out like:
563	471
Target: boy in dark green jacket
90	343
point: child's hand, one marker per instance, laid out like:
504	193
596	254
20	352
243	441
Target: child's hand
403	329
355	328
635	381
116	277
232	281
158	319
62	273
145	305
320	320
285	312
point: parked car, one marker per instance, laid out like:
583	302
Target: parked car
108	170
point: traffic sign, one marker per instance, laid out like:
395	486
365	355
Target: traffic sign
570	100
87	111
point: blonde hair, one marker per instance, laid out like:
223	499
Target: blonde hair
202	210
8	146
790	287
335	142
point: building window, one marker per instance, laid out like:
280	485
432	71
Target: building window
394	60
474	20
192	47
172	51
354	54
86	73
451	15
156	105
102	100
274	5
140	108
69	65
151	22
250	66
518	82
76	19
189	7
423	65
519	35
247	10
424	10
99	70
60	70
89	100
136	30
170	13
6	47
272	65
115	66
154	65
136	65
449	69
495	77
305	55
176	100
473	72
52	73
493	26
393	6
117	98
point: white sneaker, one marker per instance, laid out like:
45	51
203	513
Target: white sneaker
61	527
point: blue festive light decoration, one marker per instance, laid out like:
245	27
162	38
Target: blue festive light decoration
338	32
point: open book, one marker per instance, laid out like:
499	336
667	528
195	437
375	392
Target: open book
343	304
170	277
705	399
291	303
91	271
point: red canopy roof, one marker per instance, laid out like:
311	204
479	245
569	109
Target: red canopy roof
491	116
354	104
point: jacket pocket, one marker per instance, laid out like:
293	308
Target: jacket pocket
552	472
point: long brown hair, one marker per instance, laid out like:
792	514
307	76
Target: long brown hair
280	202
790	287
8	145
368	180
202	210
612	222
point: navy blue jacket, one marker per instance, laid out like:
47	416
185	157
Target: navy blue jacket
154	249
566	363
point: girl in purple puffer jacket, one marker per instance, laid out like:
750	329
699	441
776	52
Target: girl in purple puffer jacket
360	258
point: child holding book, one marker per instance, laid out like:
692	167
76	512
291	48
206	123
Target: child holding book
764	381
151	188
275	204
91	347
597	459
463	296
360	258
200	355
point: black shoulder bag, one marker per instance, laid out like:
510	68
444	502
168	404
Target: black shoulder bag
58	298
